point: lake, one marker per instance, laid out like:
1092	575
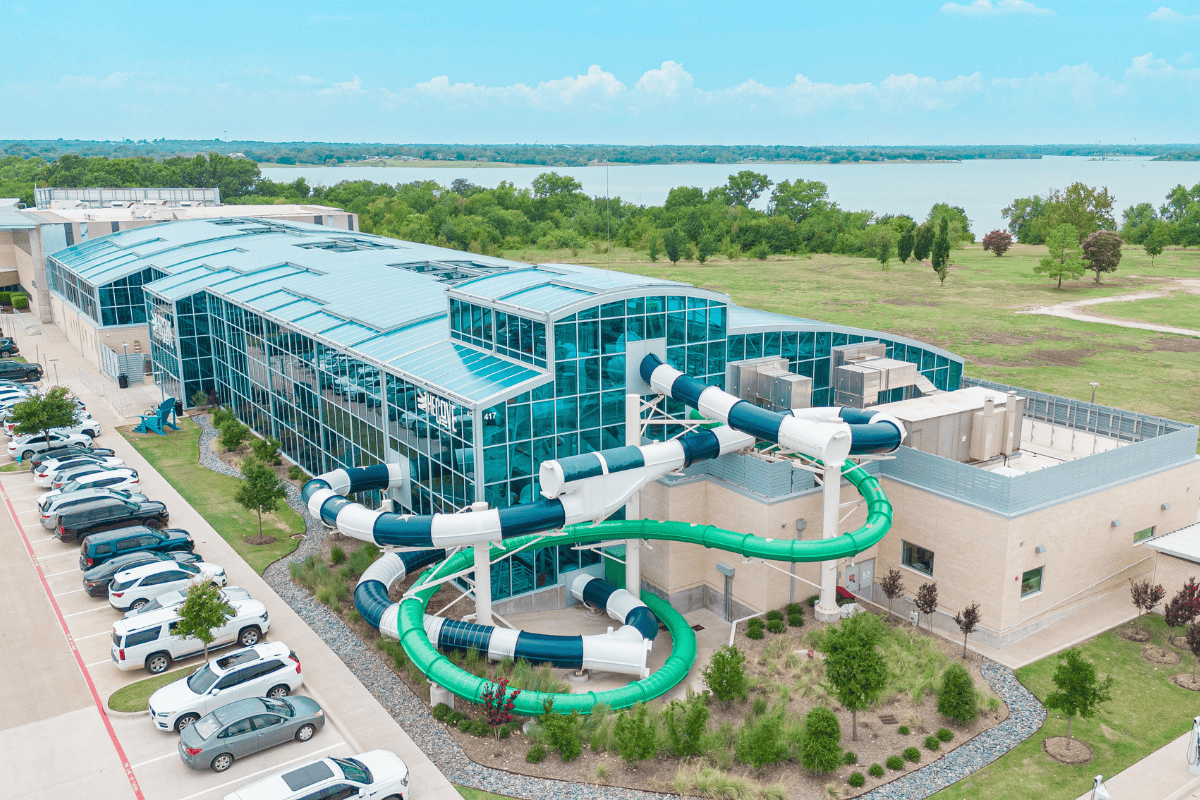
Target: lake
982	187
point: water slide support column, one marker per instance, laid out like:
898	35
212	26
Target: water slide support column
831	495
633	508
483	576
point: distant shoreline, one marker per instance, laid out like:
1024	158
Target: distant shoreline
401	164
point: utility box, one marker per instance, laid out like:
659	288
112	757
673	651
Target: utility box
959	425
849	353
858	384
769	384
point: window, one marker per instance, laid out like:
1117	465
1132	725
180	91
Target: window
1031	582
1143	534
239	728
141	637
917	558
263	721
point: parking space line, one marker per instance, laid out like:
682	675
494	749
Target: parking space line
156	758
261	771
43	539
87	676
93	635
98	663
64	594
30	511
64	572
60	555
90	610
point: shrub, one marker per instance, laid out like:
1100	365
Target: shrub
337	555
912	754
5	298
295	473
944	734
362	558
932	743
456	717
820	748
795	620
198	399
221	416
759	251
850	757
759	706
876	770
895	762
266	450
725	675
776	626
535	754
902	730
635	735
812	601
794	608
441	711
480	728
20	301
856	780
761	739
603	771
774	614
686	723
563	731
957	698
755	632
233	434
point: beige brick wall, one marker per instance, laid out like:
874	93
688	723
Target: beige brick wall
1172	573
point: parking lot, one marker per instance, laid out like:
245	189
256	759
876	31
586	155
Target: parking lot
57	738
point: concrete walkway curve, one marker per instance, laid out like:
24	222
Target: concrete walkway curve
1070	310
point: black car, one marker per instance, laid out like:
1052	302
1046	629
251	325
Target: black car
19	371
77	523
8	347
97	579
70	450
100	548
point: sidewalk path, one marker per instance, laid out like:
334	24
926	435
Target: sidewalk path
1070	311
1162	775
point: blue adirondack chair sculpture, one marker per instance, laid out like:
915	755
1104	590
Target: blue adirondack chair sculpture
153	423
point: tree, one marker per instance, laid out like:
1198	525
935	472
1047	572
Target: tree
998	242
634	735
940	256
853	667
879	241
705	247
266	450
957	699
683	197
904	245
725	675
1084	207
201	613
1078	689
1027	219
1102	251
673	244
797	200
926	601
967	620
498	704
1193	643
744	188
1145	597
551	184
41	413
954	218
260	490
1184	607
923	242
821	746
1156	241
892	585
1064	259
655	247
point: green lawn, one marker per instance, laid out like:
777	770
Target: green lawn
136	696
974	315
16	466
1179	310
176	457
478	794
1147	711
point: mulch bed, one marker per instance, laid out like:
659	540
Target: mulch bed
1133	634
1186	681
1159	655
256	539
1067	751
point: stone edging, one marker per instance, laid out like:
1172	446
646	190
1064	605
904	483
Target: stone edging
1026	713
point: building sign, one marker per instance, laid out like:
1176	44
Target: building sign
161	328
439	408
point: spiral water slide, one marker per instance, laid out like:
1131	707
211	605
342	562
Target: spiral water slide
580	492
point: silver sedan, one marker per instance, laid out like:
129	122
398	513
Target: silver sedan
245	727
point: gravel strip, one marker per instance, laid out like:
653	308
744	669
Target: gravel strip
1026	714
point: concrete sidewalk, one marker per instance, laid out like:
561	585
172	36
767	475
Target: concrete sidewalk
1162	775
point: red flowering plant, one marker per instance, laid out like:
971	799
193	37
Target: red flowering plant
498	704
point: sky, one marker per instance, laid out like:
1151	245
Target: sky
621	72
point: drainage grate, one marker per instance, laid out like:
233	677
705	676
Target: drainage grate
697	627
888	719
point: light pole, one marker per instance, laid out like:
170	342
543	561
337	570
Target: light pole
1094	385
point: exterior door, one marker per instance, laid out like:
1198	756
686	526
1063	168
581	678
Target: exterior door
860	579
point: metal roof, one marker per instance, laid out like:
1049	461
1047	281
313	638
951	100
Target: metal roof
1183	543
11	218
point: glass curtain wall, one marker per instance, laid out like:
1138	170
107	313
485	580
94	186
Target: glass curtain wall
123	302
808	354
163	351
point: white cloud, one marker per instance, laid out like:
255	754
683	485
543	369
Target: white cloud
348	88
308	80
669	80
1169	15
595	87
986	8
1148	66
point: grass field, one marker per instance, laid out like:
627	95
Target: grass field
176	457
1147	711
478	794
975	314
136	696
1179	310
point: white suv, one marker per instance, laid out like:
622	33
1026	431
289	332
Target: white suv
136	587
377	775
268	669
149	640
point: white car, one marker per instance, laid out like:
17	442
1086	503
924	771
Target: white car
149	640
22	447
377	775
50	507
175	599
119	478
136	587
267	669
51	465
10	396
49	476
83	421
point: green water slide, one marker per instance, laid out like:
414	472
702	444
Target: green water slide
443	672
